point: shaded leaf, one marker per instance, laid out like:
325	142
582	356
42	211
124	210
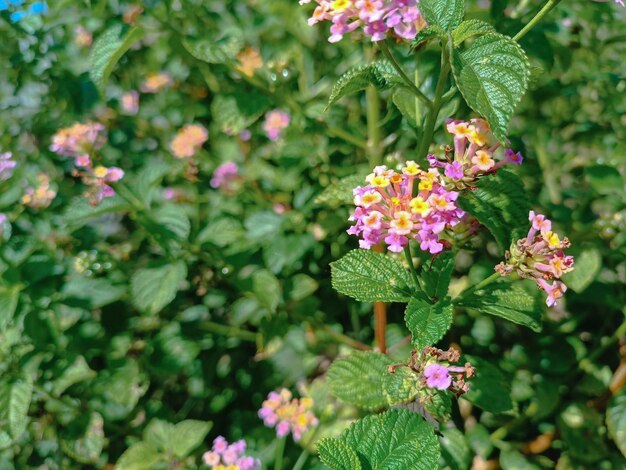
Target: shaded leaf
506	301
339	193
9	297
15	398
489	389
86	446
77	372
267	289
501	204
587	265
139	456
154	288
616	420
437	275
428	33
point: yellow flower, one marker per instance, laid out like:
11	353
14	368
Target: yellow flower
425	185
419	206
411	168
100	172
341	5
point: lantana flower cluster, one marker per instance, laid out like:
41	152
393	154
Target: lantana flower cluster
189	140
275	121
387	209
155	82
474	154
288	414
225	456
98	179
79	140
41	196
377	18
539	256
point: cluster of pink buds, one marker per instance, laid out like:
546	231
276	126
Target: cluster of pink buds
41	196
78	140
378	18
540	256
275	122
387	209
287	414
189	140
224	176
98	179
473	154
226	456
7	166
436	371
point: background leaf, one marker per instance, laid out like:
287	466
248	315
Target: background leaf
154	288
381	74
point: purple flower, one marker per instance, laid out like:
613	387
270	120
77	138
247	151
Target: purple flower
454	170
437	376
6	166
224	175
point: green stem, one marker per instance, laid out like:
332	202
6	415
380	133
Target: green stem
353	343
409	259
431	119
480	285
305	453
351	139
374	149
537	18
411	86
226	330
280	451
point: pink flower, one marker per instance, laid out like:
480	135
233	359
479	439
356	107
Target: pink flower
387	210
130	102
275	122
540	257
224	175
287	414
229	456
6	165
437	376
78	140
189	140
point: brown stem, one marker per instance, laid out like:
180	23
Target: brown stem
380	318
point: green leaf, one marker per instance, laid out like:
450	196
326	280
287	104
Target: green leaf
437	275
9	297
339	193
489	389
455	449
393	440
187	435
78	372
108	49
469	29
506	301
616	420
446	14
211	52
400	386
154	288
303	286
369	277
501	204
492	74
510	459
358	379
84	440
426	34
173	222
587	265
79	211
405	102
604	179
428	323
337	455
97	292
582	430
139	456
381	74
15	400
267	289
147	180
